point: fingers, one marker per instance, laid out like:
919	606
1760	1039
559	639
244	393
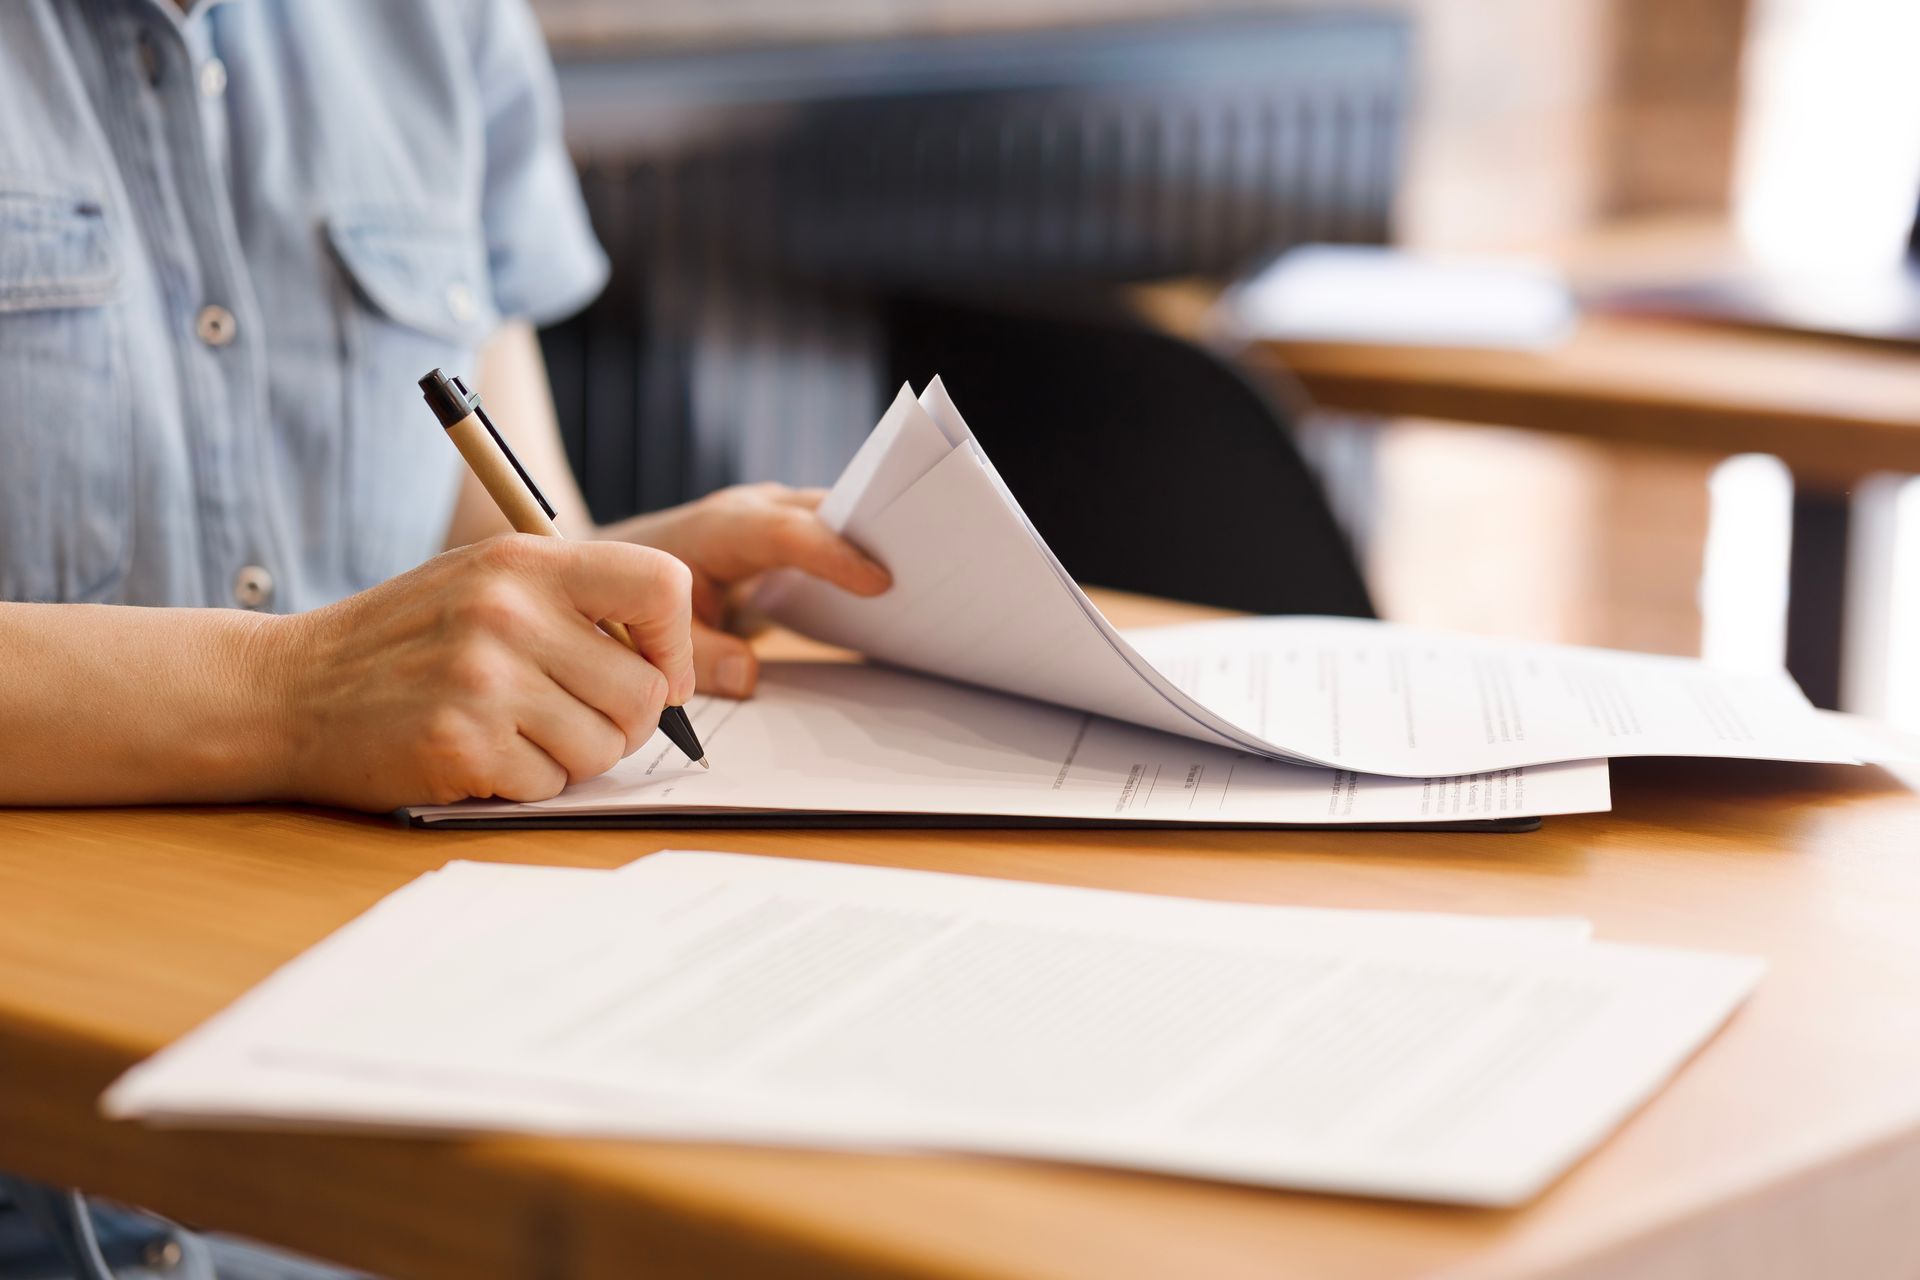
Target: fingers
522	772
794	537
572	734
724	664
592	667
647	591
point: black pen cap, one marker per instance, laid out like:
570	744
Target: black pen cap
447	398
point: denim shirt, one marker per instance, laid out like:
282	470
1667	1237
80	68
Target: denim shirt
230	242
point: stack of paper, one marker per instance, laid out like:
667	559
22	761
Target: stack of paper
730	998
1040	710
1374	294
979	598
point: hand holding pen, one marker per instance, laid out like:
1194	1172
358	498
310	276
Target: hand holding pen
526	509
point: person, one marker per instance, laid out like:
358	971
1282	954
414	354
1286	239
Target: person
231	239
238	561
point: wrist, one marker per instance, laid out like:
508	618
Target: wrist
257	669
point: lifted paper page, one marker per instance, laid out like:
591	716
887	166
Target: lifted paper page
823	1004
845	738
978	597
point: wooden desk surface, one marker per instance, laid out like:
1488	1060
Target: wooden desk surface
1833	411
1790	1146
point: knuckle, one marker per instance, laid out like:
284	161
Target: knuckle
639	707
587	751
791	531
509	552
652	697
454	751
445	734
673	576
499	606
609	749
479	672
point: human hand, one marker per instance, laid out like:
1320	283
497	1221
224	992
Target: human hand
731	536
482	673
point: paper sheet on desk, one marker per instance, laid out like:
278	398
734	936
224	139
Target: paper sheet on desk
847	738
978	598
235	1071
753	999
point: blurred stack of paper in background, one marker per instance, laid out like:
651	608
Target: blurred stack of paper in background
1390	297
729	998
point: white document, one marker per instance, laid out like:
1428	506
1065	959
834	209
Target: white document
221	1073
233	1072
1392	696
978	598
1875	741
1365	293
846	738
766	1000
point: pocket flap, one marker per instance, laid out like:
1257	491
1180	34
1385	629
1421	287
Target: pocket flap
431	276
56	249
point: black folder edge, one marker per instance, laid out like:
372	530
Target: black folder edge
922	822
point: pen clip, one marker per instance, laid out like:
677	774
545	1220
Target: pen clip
473	400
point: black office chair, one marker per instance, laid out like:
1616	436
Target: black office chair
765	206
1201	494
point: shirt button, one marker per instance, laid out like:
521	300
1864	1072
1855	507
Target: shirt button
215	326
213	78
460	302
252	587
161	1255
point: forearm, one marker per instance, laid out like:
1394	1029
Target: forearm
107	704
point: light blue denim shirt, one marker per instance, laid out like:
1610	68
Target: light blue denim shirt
230	242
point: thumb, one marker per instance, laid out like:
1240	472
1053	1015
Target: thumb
723	664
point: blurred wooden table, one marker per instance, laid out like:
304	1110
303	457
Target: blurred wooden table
1789	1147
1832	410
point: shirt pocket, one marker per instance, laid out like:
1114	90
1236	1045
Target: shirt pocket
66	414
417	299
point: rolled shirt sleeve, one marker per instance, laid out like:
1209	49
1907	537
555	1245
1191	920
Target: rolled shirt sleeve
544	260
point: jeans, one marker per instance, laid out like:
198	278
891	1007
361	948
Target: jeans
47	1234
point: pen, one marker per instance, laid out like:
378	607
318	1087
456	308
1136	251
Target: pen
525	507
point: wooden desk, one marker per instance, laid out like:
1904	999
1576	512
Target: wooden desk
1833	411
1789	1147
